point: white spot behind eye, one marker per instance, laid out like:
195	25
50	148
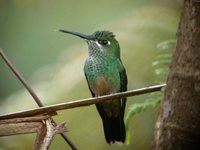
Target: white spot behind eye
101	49
109	42
98	43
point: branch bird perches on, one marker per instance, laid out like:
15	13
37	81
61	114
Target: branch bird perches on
82	102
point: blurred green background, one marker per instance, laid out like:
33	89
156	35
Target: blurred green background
53	62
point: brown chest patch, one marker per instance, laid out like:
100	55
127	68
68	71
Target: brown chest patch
103	86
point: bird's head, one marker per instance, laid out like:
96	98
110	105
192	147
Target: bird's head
99	41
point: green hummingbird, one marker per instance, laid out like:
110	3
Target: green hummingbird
105	74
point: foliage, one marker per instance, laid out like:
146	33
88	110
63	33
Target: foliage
161	65
153	101
163	59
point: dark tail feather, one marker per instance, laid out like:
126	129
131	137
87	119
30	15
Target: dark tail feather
114	129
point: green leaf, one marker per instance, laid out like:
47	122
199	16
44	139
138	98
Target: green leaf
166	45
164	56
162	71
137	108
161	62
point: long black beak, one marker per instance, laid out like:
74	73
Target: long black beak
83	36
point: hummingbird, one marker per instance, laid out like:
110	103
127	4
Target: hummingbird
105	74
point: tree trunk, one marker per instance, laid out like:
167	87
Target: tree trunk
178	123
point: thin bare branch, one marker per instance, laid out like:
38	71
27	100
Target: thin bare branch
21	78
32	93
83	102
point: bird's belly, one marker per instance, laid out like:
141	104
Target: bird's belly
102	86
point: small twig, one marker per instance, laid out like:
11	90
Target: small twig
60	128
46	134
83	102
32	93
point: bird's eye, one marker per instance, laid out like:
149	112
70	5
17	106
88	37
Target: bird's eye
104	42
